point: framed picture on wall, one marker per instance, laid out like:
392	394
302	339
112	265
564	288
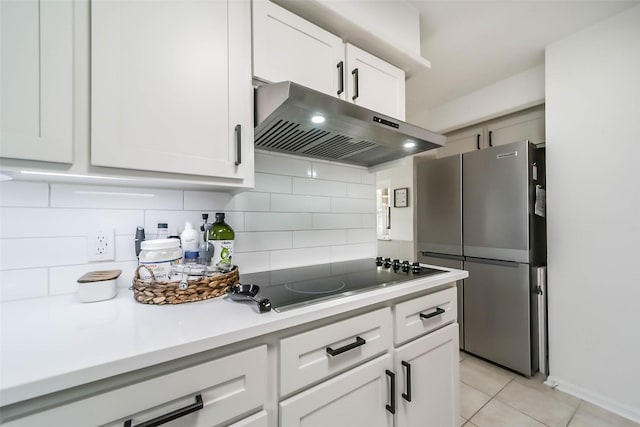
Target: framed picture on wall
401	197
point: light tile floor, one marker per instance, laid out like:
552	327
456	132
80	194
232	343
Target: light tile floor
495	397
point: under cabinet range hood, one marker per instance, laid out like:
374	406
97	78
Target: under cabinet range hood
294	119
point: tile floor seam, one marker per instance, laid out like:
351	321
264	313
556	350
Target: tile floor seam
575	411
504	402
488	401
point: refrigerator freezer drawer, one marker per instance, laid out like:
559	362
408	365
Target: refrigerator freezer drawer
497	311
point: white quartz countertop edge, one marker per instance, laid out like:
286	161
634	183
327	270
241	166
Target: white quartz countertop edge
51	344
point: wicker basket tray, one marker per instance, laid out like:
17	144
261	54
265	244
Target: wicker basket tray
177	292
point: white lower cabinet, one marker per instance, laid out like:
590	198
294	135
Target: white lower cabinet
428	380
357	398
205	395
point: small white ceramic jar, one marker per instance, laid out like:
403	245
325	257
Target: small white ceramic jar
159	256
98	285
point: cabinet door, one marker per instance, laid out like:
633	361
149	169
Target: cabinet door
374	83
258	420
36	64
287	47
462	142
170	83
357	398
527	126
224	389
428	383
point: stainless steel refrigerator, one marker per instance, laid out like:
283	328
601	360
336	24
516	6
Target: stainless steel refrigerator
502	240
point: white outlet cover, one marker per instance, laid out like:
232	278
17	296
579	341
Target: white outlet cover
101	245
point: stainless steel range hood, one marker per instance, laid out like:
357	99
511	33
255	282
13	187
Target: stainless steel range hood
349	134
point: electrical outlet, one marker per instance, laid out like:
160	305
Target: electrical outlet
101	245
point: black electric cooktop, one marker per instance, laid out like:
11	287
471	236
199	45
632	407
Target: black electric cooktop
296	287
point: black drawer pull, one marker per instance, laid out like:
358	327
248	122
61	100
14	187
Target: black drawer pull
356	88
337	351
392	407
173	415
407	396
430	315
340	77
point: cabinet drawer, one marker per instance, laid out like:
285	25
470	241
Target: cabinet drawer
228	387
424	314
305	358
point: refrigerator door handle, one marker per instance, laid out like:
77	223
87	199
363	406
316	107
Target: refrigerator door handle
443	256
493	262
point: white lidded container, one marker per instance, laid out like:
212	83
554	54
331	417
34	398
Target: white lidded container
98	285
159	256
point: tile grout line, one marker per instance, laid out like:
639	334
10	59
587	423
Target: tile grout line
575	411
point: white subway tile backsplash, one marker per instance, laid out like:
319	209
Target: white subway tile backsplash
22	284
369	220
299	203
43	222
252	262
316	187
94	197
291	218
361	191
361	235
282	165
306	239
273	183
328	171
268	221
348	252
205	200
64	280
344	205
249	202
24	194
336	221
299	257
262	241
42	252
368	177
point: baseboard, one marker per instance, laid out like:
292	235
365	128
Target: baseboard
595	398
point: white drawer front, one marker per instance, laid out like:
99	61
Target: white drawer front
229	386
305	358
424	314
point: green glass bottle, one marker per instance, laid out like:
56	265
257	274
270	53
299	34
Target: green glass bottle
222	237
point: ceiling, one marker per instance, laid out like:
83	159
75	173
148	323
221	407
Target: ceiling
472	44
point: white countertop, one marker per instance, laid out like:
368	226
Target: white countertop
51	344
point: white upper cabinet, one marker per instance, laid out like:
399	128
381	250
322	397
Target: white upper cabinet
527	126
36	64
287	47
462	142
375	84
171	87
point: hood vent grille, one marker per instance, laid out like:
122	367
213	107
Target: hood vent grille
349	134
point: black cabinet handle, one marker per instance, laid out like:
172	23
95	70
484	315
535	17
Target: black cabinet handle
392	407
238	144
173	415
337	351
407	396
490	142
355	83
478	140
430	315
341	77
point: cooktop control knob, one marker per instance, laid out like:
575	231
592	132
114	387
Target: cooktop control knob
396	264
415	268
387	262
405	266
379	261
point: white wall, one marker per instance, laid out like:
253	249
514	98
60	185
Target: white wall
593	153
515	93
401	233
288	220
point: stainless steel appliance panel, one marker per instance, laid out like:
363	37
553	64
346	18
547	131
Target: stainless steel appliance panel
439	205
497	314
450	262
496	202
